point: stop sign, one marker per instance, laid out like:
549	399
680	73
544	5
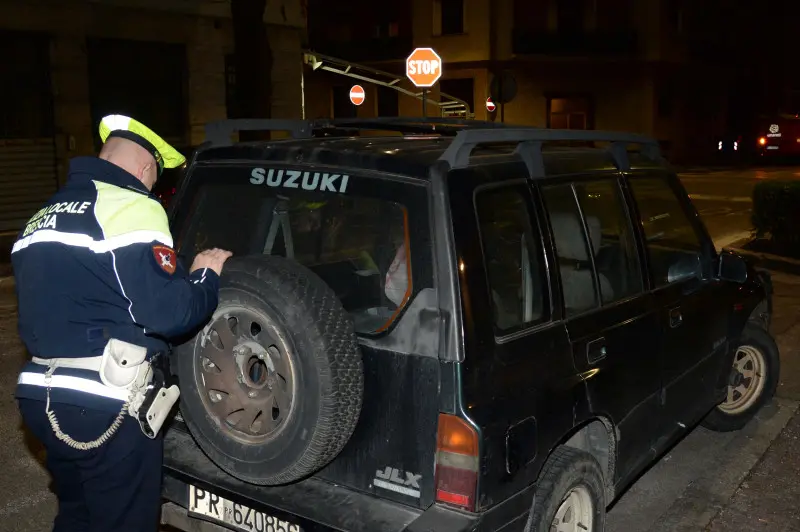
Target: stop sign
424	67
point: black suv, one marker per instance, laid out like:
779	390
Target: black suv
454	327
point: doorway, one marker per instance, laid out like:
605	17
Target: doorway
574	112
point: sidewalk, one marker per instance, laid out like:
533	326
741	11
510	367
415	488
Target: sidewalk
767	499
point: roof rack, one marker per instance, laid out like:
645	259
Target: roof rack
219	133
529	145
421	120
410	125
468	135
429	120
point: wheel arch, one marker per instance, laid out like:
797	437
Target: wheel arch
597	436
761	315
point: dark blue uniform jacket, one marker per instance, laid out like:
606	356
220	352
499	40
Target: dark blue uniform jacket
97	262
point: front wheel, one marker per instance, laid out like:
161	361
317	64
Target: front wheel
753	381
570	494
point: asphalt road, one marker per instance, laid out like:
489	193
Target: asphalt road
723	199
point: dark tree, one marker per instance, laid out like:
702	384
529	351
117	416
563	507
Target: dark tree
252	61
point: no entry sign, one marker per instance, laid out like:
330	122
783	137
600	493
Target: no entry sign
424	67
490	106
357	95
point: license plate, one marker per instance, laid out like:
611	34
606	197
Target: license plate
233	515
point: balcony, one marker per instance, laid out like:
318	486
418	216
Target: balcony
365	50
618	43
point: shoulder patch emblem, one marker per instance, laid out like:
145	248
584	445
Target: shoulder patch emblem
165	258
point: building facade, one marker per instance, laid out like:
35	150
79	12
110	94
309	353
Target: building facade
580	64
64	65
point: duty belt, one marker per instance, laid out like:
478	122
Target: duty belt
88	363
122	367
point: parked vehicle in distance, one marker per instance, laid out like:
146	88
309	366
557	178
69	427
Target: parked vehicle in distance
462	327
779	137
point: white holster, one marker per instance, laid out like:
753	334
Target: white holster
122	366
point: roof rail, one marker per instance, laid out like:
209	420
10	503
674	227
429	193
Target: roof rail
529	145
219	133
419	125
434	120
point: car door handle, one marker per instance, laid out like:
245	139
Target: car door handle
596	350
675	317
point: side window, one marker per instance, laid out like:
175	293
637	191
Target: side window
574	262
673	245
615	257
513	257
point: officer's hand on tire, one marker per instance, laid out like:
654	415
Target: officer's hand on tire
212	259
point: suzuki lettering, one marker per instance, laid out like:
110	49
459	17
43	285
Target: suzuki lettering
323	182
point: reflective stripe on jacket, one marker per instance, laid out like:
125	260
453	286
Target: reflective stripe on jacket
97	262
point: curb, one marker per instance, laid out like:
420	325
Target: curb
712	168
766	260
704	498
704	170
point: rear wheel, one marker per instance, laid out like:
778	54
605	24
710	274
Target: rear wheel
570	494
271	389
753	381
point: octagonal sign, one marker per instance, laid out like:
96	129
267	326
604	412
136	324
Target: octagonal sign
424	67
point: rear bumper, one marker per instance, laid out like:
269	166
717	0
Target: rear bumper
314	504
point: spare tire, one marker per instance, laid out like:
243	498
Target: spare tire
271	389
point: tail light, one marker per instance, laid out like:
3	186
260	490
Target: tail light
456	462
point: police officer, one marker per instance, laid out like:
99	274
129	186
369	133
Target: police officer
100	294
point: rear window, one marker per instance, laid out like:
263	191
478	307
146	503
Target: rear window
367	237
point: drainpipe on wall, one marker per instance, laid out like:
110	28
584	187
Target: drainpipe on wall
494	67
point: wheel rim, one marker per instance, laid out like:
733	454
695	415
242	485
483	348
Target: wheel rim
245	374
747	380
576	512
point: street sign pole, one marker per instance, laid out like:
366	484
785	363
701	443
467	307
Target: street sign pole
424	103
502	103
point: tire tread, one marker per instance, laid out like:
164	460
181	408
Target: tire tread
338	358
558	464
719	421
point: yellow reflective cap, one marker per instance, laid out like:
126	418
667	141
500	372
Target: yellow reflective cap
166	156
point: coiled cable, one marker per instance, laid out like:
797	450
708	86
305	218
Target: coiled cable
85	446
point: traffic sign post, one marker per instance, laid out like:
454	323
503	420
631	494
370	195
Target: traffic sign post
424	68
357	95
